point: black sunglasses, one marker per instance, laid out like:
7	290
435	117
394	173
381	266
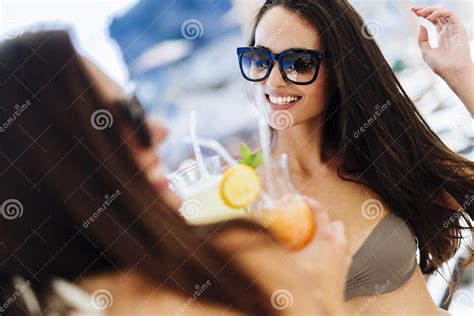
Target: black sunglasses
297	66
134	113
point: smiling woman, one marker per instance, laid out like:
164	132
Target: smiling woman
298	48
352	156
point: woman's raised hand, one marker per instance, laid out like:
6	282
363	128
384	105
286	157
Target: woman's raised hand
452	55
451	60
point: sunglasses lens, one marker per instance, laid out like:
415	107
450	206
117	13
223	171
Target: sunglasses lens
255	64
299	67
135	115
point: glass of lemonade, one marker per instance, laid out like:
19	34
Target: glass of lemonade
202	201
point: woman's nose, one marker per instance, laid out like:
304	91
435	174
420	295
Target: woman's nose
275	79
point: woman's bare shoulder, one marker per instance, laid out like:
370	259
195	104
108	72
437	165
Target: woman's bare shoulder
132	293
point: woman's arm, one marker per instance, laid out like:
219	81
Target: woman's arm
451	60
310	281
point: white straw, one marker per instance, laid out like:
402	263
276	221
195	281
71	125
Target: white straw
263	129
217	147
197	149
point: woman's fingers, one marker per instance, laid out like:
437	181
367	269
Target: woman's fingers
423	40
424	11
333	231
313	204
442	13
316	208
436	15
439	26
321	217
445	21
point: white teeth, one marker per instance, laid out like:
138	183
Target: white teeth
282	100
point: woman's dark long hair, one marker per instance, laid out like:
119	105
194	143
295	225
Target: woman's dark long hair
398	156
74	202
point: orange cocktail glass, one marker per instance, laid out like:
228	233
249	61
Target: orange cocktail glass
282	209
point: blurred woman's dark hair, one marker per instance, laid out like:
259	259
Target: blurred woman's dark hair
75	202
399	157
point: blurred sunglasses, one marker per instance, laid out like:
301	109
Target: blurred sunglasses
297	66
134	113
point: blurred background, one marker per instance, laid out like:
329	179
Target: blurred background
179	55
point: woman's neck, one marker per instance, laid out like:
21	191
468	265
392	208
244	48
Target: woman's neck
303	144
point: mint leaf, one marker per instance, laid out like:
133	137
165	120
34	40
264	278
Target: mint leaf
249	159
257	160
252	164
245	152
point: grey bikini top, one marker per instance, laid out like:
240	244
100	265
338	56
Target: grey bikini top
385	261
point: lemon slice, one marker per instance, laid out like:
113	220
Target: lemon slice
240	186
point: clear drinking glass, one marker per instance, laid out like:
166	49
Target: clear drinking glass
202	201
281	208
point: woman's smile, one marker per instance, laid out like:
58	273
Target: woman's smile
282	100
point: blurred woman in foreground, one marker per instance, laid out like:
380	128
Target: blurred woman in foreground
89	226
